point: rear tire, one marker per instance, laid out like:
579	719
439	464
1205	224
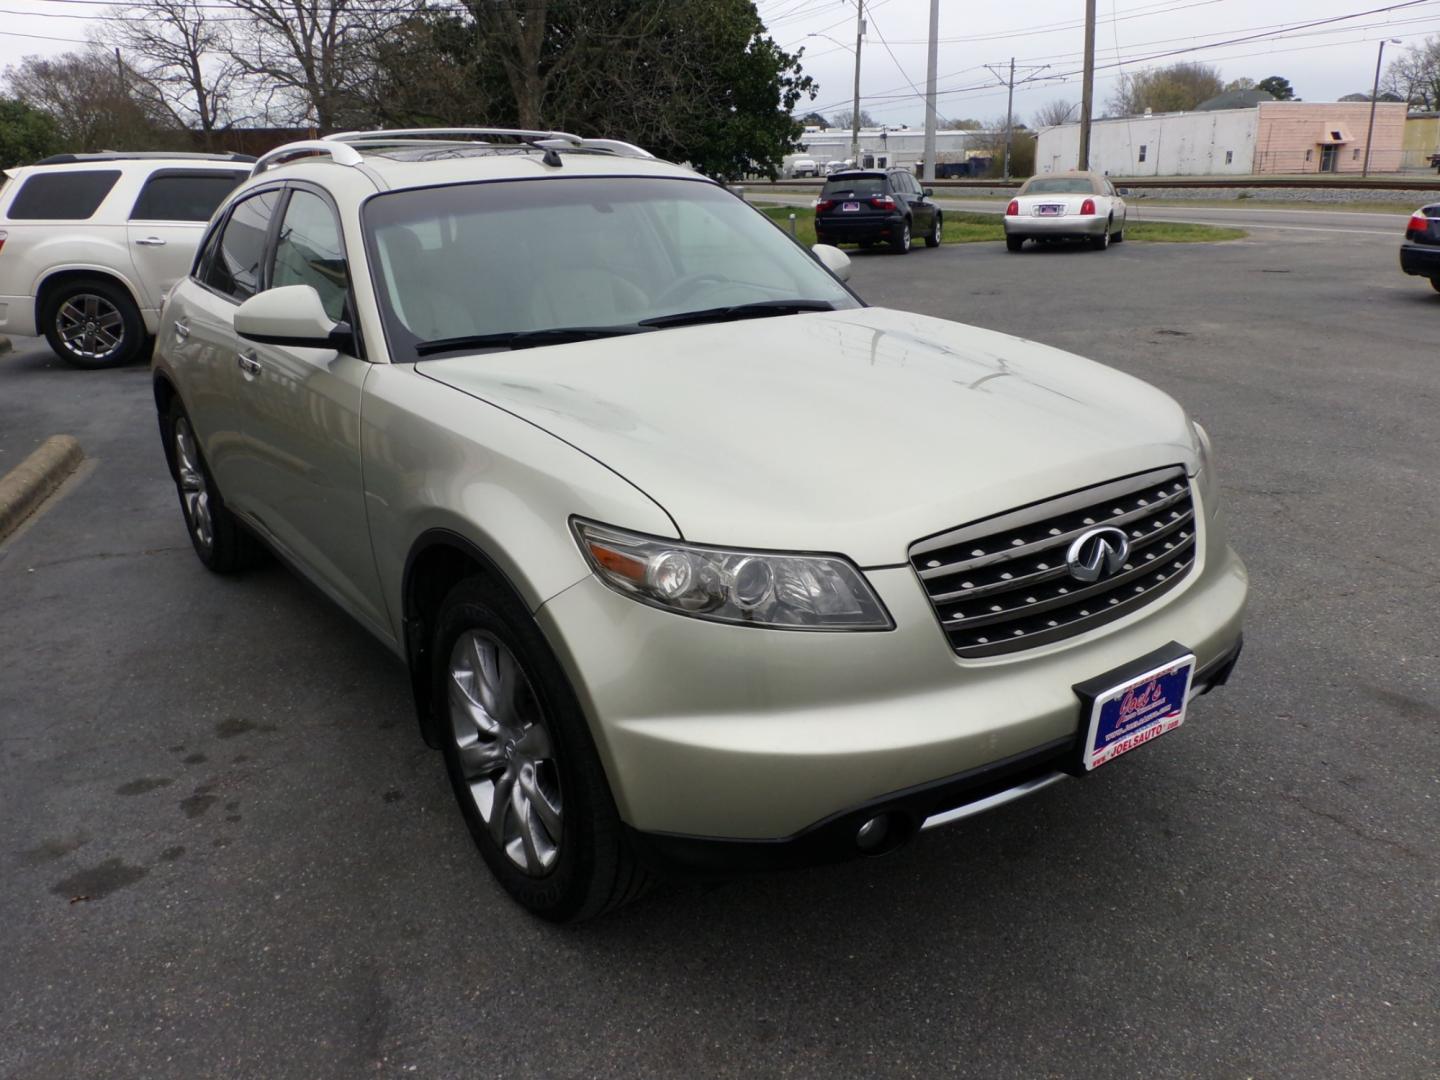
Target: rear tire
901	243
1014	243
1435	282
933	240
221	543
1101	242
92	323
518	747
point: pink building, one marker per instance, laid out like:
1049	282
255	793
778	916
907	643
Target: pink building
1326	136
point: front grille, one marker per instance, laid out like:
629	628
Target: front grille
1001	584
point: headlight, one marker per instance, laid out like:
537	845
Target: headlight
749	588
1204	471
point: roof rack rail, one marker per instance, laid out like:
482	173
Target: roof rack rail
518	134
137	155
545	140
338	152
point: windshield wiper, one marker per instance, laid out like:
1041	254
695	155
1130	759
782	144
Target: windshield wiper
756	310
527	339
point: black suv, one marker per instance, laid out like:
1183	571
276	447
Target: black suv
876	206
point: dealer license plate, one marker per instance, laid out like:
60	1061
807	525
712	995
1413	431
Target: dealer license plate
1050	209
850	207
1137	711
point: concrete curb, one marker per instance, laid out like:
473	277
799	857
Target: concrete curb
25	487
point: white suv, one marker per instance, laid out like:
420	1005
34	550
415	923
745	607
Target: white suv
90	244
694	560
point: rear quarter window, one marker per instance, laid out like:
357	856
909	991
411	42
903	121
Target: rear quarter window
62	196
182	196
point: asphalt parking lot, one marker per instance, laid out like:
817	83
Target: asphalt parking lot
225	852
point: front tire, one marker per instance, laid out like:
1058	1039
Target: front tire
1435	282
901	243
92	323
933	240
522	763
221	543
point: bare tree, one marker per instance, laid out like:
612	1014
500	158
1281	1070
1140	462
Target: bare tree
1414	75
1055	113
182	50
98	102
1176	88
303	58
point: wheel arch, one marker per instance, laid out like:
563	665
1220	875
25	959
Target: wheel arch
438	560
55	278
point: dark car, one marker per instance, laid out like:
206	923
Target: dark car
1420	254
876	206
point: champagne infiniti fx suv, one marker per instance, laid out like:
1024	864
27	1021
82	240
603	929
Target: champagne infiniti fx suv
696	562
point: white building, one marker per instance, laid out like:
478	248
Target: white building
1215	143
1277	137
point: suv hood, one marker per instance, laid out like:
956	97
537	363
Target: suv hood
855	431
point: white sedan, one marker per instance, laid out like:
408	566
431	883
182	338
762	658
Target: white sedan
1066	206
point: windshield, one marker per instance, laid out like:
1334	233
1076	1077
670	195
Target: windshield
547	261
861	186
1059	185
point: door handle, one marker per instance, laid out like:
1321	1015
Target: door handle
150	241
182	329
249	363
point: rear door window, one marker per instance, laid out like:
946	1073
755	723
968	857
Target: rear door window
236	266
183	196
62	196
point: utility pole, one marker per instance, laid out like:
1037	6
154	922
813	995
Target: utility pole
855	113
1035	71
1087	93
930	76
1375	93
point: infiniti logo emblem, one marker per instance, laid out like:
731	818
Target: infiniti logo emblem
1097	554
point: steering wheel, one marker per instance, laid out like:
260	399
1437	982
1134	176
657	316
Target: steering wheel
683	287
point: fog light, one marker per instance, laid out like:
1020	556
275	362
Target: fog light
873	833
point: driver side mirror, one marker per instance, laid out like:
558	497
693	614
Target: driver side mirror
292	315
1123	191
834	260
929	192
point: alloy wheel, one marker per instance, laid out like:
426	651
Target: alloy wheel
193	491
90	326
505	751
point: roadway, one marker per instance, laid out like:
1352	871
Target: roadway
1322	219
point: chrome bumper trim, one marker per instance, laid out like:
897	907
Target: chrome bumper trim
990	802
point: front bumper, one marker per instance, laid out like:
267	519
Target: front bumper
1073	226
1420	260
903	813
707	730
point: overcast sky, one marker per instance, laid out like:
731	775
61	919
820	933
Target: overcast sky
1323	62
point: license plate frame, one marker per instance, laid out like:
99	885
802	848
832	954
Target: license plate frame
849	207
1050	210
1130	706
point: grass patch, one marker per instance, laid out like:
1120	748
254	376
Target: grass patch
960	228
1180	232
967	228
